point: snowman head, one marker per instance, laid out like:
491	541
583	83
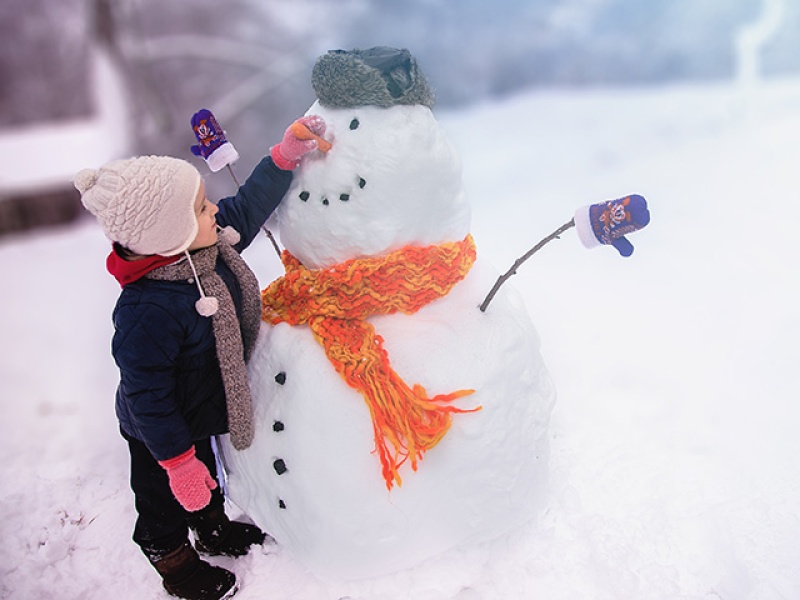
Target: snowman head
391	178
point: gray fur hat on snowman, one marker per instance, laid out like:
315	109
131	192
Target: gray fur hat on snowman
379	76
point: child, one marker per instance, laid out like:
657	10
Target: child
185	324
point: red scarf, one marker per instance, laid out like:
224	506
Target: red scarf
128	271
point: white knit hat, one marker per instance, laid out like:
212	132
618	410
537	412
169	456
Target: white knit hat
146	203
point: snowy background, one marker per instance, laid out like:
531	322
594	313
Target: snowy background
674	470
250	61
674	437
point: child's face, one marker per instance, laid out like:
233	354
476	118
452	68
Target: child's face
205	211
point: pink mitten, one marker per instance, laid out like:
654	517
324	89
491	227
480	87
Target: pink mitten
300	138
189	480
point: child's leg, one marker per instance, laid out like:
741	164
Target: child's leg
161	526
214	533
162	533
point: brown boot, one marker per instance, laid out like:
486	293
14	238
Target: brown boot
217	535
186	576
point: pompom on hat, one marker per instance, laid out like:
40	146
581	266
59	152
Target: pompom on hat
146	203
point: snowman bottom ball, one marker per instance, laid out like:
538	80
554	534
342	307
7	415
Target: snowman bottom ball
312	479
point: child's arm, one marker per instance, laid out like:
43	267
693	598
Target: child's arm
255	201
264	189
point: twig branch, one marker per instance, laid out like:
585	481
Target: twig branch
233	175
234	103
502	279
272	239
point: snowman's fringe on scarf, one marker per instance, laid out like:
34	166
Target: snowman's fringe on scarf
335	302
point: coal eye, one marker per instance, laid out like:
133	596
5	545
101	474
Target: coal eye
344	197
304	196
354	124
362	182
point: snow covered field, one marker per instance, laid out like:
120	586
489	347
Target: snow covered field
674	438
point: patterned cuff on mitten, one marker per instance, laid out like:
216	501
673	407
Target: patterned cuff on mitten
280	161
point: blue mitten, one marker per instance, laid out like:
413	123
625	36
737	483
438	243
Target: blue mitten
212	145
609	222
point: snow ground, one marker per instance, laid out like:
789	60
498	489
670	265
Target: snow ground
674	471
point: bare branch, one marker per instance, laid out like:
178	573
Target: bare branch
502	279
182	46
245	94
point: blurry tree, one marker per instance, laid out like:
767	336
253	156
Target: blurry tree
780	55
250	61
184	55
471	48
43	57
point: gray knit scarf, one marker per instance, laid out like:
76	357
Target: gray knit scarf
234	344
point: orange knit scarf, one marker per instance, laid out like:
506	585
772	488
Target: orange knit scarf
335	302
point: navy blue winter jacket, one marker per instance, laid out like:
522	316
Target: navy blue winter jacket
170	392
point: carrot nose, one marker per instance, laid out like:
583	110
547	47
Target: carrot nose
304	133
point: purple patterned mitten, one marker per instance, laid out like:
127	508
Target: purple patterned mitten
609	222
212	145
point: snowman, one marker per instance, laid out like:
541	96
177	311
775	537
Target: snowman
394	420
